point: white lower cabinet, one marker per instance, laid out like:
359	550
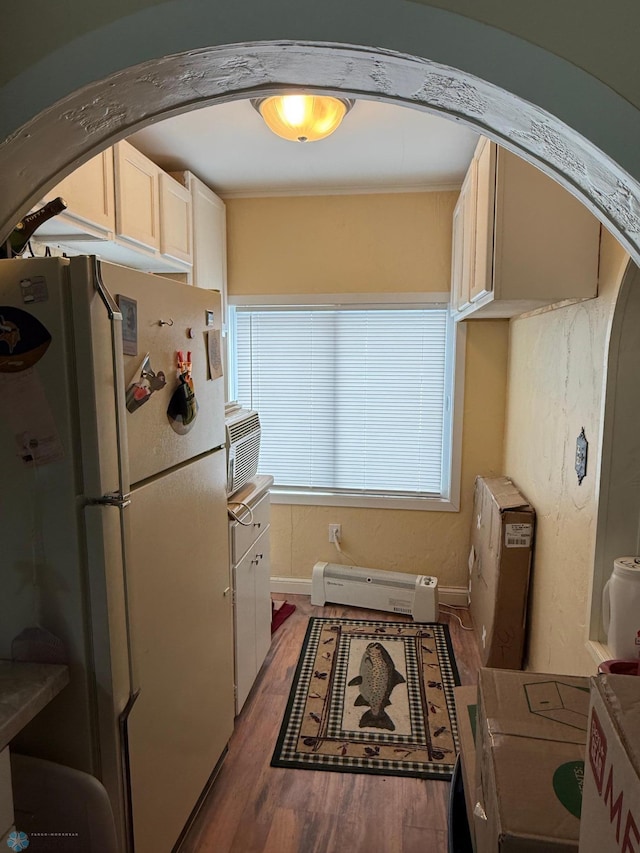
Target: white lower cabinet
251	572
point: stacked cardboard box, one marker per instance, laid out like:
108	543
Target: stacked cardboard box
466	699
502	533
611	797
530	746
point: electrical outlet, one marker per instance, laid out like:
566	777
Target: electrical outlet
335	532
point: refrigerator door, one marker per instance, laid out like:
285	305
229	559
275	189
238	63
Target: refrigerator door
162	317
110	642
182	611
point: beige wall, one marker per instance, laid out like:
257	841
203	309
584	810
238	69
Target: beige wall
340	243
556	372
379	243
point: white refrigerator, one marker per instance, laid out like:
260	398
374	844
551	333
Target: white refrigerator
114	528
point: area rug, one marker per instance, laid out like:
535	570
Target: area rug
372	697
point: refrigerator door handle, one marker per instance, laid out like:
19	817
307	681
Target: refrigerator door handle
122	505
123	722
119	499
111	305
115	318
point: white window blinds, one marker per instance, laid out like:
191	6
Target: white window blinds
349	400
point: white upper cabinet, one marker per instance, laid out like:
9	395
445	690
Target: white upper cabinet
89	194
483	214
175	219
209	238
463	244
530	243
137	182
122	207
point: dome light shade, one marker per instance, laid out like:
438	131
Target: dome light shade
302	118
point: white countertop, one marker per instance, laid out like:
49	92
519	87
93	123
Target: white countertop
251	492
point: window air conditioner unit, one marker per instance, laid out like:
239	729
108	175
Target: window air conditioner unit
396	592
242	439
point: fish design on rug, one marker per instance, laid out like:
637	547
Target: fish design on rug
378	676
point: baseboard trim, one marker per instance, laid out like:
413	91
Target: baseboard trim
458	596
455	595
294	586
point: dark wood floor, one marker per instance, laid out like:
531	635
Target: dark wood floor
255	808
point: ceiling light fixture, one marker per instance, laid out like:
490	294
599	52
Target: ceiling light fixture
302	118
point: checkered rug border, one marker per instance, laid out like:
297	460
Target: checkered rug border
428	751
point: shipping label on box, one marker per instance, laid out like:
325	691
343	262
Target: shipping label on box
518	535
611	796
531	735
502	538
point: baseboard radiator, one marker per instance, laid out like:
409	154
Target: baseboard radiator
375	589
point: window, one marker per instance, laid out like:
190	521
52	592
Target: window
355	402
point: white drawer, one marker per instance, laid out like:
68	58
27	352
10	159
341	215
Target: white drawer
244	535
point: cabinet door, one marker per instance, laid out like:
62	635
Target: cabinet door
485	159
263	598
458	297
209	239
137	202
90	196
244	617
462	261
175	219
252	615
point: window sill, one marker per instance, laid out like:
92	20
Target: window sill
432	504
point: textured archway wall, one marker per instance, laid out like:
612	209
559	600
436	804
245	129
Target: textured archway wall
48	56
557	368
594	36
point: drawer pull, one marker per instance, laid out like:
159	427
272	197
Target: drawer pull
257	524
227	591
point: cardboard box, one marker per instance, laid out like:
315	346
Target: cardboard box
502	534
530	747
611	795
466	700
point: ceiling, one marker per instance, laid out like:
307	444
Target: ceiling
378	148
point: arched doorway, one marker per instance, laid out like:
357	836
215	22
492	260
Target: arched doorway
87	121
67	133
